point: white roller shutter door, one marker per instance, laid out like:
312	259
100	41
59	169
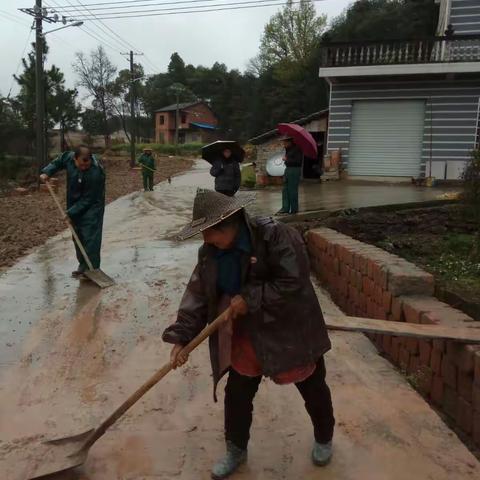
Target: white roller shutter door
386	138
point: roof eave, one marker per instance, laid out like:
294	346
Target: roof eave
301	121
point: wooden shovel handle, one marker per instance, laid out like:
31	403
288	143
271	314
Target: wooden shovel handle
153	380
70	226
148	168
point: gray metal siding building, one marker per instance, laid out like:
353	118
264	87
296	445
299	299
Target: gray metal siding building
465	16
448	112
408	108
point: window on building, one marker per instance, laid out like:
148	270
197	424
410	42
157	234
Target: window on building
184	118
161	120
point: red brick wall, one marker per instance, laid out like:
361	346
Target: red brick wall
197	113
200	114
366	281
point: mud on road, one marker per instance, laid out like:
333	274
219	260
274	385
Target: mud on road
28	221
76	352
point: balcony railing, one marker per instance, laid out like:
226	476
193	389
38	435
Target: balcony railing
432	50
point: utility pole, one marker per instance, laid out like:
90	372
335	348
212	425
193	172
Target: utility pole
39	89
132	112
40	14
133	118
177	121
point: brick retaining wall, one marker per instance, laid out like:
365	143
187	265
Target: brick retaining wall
366	281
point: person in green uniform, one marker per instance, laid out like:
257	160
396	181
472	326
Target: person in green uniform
293	162
85	200
147	161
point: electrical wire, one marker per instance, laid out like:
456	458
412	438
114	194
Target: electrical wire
198	9
113	36
125	42
107	3
19	62
144	5
92	33
14	18
117	39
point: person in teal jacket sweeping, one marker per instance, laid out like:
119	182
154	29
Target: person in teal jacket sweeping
147	161
85	200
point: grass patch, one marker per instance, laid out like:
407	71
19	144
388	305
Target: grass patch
184	149
440	240
447	256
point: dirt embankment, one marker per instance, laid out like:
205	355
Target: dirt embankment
28	221
441	240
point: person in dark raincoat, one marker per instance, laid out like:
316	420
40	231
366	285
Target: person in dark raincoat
259	269
147	161
85	200
226	170
291	180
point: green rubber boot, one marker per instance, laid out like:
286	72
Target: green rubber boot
322	453
229	463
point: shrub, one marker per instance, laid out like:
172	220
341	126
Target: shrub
160	148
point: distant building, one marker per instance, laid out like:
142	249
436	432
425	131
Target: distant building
407	108
197	123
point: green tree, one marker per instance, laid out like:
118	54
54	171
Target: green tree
11	124
60	103
176	69
290	35
121	95
384	20
92	122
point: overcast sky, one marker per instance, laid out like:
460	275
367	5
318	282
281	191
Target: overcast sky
231	37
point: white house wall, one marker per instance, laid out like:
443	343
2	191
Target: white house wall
451	118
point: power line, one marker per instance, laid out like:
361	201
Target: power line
125	42
97	35
113	36
14	18
19	62
144	5
94	34
199	9
98	39
108	3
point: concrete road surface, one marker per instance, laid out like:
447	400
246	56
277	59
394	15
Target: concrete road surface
70	353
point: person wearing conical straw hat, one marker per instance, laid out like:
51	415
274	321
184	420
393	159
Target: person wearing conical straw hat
259	269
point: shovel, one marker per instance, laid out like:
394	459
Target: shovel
148	168
96	275
66	453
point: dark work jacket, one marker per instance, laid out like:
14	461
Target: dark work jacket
227	174
146	161
85	190
285	321
294	156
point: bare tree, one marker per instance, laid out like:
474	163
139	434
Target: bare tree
96	73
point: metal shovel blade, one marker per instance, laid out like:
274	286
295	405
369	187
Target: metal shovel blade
58	455
99	277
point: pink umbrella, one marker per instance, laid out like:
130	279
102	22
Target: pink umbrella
301	137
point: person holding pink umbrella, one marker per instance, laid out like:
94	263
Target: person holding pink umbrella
293	172
297	142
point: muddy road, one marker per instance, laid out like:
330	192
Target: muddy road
70	353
